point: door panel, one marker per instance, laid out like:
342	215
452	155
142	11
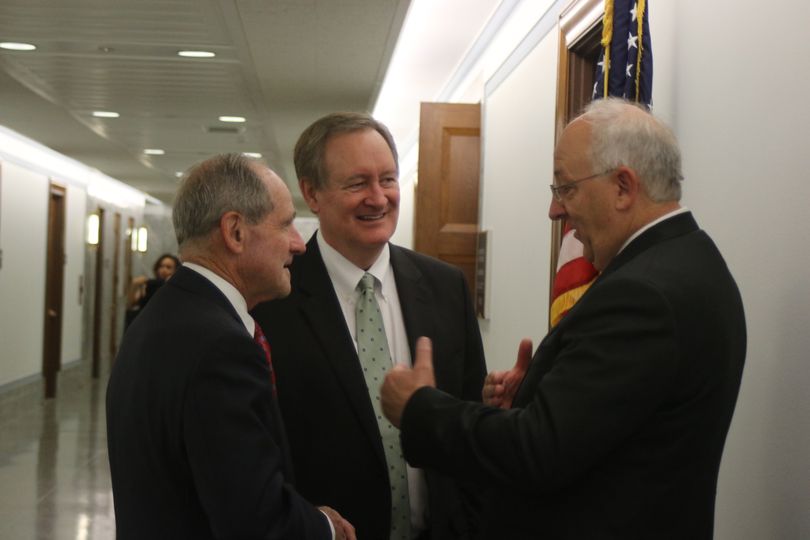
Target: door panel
446	214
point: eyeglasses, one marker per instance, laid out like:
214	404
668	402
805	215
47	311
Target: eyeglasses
563	191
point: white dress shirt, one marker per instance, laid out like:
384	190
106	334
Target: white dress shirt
345	277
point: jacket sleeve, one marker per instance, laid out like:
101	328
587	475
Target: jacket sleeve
603	377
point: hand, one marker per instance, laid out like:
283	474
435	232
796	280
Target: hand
343	529
401	382
500	387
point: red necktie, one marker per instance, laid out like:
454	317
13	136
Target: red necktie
261	339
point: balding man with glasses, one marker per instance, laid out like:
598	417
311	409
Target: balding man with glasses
617	424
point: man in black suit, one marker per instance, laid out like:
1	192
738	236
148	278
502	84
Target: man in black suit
618	427
348	174
196	443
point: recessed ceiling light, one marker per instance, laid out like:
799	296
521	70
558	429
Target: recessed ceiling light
12	46
154	151
231	118
106	114
252	154
179	174
196	54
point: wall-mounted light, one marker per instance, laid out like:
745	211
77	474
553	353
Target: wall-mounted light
92	229
142	239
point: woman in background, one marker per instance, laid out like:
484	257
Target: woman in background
142	288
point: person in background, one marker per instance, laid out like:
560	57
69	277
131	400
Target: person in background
618	426
358	304
196	441
142	288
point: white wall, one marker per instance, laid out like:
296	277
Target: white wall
26	168
738	102
76	205
517	164
23	234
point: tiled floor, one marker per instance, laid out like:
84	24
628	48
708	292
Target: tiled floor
54	475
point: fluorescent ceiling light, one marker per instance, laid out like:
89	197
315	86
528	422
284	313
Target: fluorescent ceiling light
12	46
106	114
154	151
196	54
252	154
231	118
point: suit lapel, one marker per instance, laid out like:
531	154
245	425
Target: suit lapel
322	313
414	298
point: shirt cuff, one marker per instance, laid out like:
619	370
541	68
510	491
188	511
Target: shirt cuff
329	521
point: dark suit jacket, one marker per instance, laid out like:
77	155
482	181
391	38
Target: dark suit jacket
196	445
334	439
618	428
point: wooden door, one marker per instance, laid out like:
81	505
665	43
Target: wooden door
54	289
446	208
98	293
116	242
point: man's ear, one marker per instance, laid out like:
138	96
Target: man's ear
310	194
628	186
232	230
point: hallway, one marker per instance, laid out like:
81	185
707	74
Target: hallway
54	475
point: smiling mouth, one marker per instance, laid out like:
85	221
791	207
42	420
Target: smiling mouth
373	217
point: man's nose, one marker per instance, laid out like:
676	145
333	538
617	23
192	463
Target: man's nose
556	210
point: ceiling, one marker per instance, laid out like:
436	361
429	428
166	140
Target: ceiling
279	63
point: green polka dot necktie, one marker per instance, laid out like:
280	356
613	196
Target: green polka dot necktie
375	359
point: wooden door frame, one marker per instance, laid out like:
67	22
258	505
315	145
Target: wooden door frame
54	288
577	20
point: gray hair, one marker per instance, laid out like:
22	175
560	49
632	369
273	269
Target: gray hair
623	133
220	184
309	150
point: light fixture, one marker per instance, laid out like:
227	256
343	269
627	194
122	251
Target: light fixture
179	174
154	151
133	239
196	54
106	114
255	155
142	239
12	46
237	119
92	229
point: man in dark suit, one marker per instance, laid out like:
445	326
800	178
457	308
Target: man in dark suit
618	427
348	173
196	443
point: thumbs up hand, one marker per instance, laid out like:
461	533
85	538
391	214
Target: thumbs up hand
401	382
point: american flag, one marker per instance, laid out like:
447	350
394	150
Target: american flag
627	53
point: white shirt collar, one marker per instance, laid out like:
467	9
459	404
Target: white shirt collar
345	274
681	210
231	293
